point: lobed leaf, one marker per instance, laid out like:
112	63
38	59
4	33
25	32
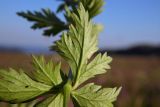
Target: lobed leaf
94	96
53	101
79	44
94	7
44	19
47	73
98	65
18	87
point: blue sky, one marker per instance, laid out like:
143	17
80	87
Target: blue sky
126	23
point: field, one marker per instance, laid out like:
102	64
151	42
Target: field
138	75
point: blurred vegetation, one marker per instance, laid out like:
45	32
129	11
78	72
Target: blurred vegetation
138	75
48	21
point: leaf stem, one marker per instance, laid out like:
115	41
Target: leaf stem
67	91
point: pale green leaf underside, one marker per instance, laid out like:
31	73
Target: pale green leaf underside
18	87
54	101
98	65
79	43
47	73
94	96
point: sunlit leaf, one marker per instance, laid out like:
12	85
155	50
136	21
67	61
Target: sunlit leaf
47	73
98	65
94	96
53	101
18	87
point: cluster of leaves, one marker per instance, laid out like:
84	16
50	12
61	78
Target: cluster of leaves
49	21
76	46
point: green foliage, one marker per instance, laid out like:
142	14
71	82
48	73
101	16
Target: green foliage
26	104
51	24
45	19
76	46
18	87
47	73
53	101
94	96
98	65
94	7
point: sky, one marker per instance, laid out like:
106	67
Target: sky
126	23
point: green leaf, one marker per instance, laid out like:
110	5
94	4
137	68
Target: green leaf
45	19
94	96
94	7
98	65
51	24
18	105
68	3
18	87
47	73
79	44
54	101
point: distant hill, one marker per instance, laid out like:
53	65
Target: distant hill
28	50
136	50
10	49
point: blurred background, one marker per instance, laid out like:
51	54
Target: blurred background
131	36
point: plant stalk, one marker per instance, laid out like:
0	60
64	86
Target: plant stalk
67	91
